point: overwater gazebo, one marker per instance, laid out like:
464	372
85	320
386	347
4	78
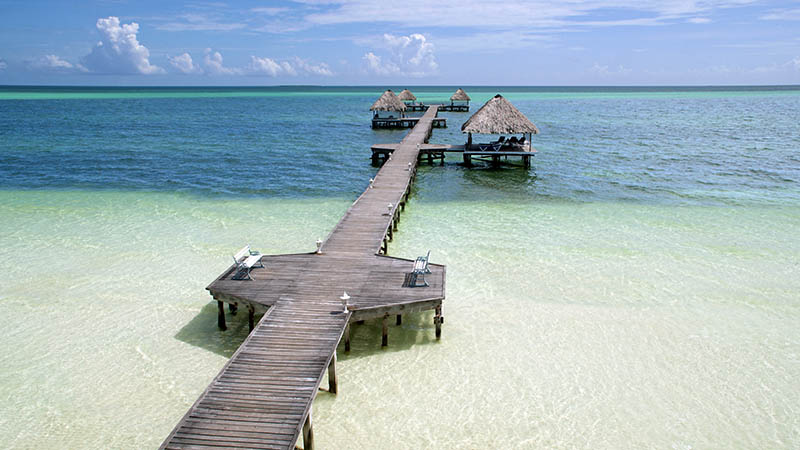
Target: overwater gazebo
407	97
388	106
460	98
499	117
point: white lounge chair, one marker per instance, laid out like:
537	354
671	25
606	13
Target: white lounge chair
244	260
420	270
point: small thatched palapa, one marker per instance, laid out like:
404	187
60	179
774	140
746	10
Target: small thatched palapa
498	116
407	96
388	102
460	96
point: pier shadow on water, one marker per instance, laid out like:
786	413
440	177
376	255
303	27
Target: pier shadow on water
202	331
365	339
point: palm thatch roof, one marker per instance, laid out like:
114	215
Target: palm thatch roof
406	95
388	102
498	116
460	96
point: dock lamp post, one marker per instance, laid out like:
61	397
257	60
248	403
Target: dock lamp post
389	209
319	246
371	183
344	298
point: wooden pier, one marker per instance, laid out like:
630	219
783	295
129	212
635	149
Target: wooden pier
406	122
436	152
262	397
442	108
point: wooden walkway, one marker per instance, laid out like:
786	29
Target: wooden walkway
262	397
436	152
407	122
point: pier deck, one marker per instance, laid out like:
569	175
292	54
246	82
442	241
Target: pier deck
262	397
381	152
407	122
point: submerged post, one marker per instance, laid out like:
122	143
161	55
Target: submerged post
437	320
308	433
385	332
333	382
347	337
251	316
221	316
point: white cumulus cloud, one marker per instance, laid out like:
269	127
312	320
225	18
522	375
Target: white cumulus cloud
313	69
184	64
119	50
212	62
56	64
258	66
410	55
264	66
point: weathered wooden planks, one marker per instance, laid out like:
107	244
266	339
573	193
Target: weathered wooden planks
262	397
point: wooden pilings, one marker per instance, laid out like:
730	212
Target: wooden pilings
221	316
308	433
437	321
347	337
399	320
333	382
385	331
251	316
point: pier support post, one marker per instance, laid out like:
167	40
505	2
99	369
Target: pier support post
437	320
333	382
385	333
399	320
467	160
233	308
347	337
221	316
308	433
251	316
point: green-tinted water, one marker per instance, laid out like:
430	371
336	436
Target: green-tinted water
637	288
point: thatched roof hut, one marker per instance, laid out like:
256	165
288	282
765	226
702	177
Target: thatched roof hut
388	102
498	116
407	96
460	96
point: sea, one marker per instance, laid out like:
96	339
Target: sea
638	287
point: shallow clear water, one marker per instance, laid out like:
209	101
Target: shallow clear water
639	287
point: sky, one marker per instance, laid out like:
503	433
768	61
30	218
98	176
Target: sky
409	42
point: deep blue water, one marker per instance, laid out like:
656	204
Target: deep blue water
728	145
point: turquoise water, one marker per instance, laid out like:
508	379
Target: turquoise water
639	287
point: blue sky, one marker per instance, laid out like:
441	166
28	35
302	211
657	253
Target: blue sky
415	42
